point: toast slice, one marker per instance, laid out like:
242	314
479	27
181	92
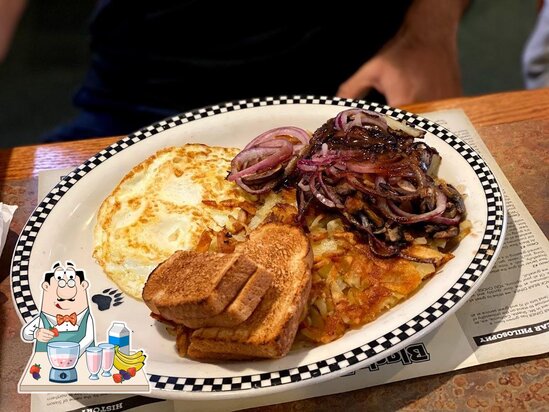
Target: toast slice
270	331
196	285
241	307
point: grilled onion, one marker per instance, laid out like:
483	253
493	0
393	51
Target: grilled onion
363	166
268	159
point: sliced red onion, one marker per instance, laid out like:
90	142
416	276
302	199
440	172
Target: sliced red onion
392	167
331	194
335	172
362	187
379	181
291	131
264	189
406	256
274	144
258	177
420	176
329	158
446	220
408	218
307	166
316	193
391	193
253	155
299	148
283	154
361	118
384	177
380	248
364	167
303	186
256	169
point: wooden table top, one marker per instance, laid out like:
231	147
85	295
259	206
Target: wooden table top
514	126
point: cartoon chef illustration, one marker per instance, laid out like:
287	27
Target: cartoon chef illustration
65	314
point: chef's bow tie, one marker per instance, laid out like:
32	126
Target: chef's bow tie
67	318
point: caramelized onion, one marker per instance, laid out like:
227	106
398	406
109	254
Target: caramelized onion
359	117
359	165
404	217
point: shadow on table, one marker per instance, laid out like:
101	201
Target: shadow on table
6	300
494	306
5	258
5	155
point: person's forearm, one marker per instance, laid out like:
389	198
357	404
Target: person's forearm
444	17
420	62
10	13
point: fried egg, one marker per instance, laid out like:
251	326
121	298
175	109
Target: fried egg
162	205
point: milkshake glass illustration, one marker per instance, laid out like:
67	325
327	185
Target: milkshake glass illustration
93	361
107	358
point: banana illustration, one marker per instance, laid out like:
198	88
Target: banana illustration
121	365
123	361
129	358
132	362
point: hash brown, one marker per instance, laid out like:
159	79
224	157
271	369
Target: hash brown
350	286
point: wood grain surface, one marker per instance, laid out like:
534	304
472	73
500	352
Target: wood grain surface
495	109
514	126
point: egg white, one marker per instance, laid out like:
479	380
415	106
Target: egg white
159	207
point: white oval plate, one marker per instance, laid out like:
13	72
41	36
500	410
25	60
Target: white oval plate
61	229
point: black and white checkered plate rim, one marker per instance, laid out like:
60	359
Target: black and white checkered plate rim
335	365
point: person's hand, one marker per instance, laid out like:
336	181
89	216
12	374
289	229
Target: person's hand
405	71
44	335
420	63
10	13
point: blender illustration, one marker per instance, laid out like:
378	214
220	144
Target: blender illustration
63	357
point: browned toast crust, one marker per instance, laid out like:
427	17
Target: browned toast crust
193	284
284	250
241	307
